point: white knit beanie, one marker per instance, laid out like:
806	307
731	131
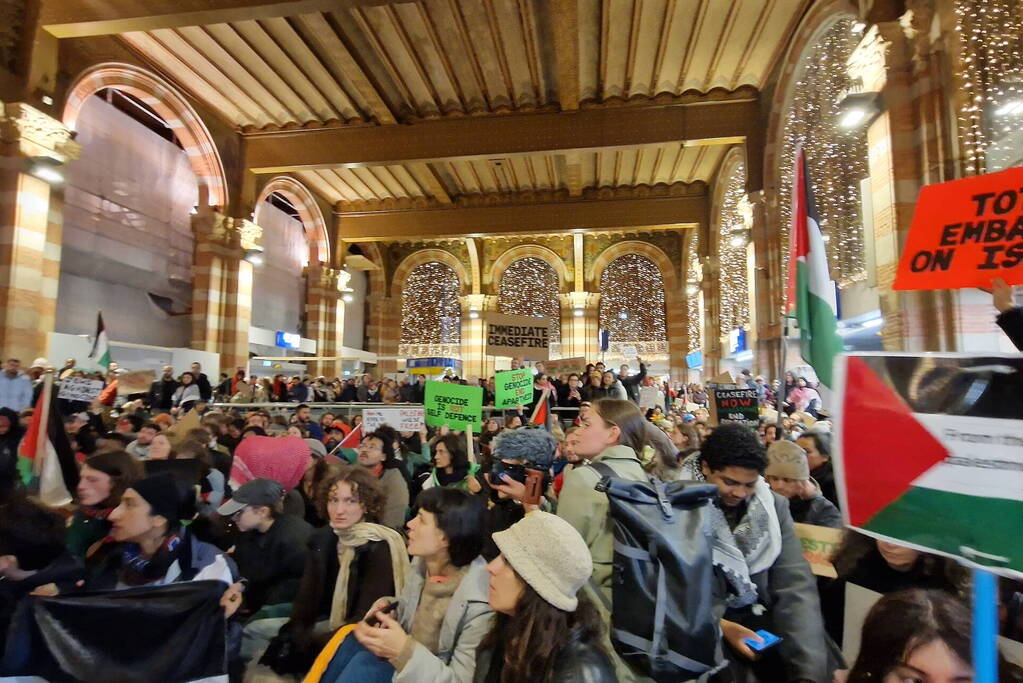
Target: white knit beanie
550	555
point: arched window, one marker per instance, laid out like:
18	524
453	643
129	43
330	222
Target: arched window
632	305
430	314
529	286
836	158
734	293
694	323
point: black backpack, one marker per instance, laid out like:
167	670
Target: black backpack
662	620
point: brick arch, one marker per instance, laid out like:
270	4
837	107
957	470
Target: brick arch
308	212
166	101
660	259
522	251
377	277
418	258
711	231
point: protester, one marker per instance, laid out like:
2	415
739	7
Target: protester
376	454
161	392
102	481
11	433
139	448
818	454
186	395
543	631
451	466
630	382
15	387
201	381
442	613
770	584
789	476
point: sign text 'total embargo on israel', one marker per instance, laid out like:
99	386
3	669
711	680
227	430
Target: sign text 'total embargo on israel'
965	233
950	476
518	336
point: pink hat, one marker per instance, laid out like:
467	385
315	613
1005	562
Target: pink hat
283	459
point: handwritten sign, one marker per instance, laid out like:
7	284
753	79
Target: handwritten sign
964	233
402	419
513	388
457	406
135	382
80	389
819	546
565	366
518	336
735	405
629	351
648	397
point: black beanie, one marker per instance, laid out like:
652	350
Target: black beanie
163	495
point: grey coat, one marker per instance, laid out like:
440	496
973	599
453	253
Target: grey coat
467	621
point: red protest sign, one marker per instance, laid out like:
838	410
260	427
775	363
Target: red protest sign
965	233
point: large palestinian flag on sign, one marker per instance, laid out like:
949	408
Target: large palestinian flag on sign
930	453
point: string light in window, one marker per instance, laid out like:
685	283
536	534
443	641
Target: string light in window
529	286
633	285
430	312
733	290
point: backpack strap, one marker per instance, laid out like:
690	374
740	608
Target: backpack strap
603	470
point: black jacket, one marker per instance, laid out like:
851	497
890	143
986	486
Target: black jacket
273	562
825	477
581	660
1011	323
631	383
205	390
161	394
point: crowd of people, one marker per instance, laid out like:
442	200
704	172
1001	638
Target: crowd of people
424	556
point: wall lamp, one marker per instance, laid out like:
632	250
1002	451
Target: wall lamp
48	169
858	109
254	255
738	237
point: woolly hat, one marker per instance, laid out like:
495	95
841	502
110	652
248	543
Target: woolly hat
550	555
787	460
316	447
283	459
163	495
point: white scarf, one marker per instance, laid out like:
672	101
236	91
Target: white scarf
350	539
752	547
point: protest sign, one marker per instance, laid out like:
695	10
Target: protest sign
518	336
949	478
819	546
734	405
454	405
80	389
648	397
513	388
964	233
565	366
135	382
628	351
402	419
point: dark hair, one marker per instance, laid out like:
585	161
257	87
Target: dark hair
123	470
135	420
929	569
386	437
364	486
902	622
116	436
534	638
460	517
733	445
238	423
626	416
259	431
150	425
300	406
456	447
31	532
821	441
190	376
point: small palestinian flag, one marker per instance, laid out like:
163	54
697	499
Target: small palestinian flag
45	458
346	449
100	353
542	411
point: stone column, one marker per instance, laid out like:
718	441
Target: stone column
475	362
579	332
31	224
321	313
384	329
709	287
765	323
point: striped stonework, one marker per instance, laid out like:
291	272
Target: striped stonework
384	329
165	100
579	334
30	229
321	308
308	212
475	362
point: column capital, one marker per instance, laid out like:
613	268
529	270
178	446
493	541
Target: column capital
236	234
587	301
331	280
35	133
478	302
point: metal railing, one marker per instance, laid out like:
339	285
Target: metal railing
349	407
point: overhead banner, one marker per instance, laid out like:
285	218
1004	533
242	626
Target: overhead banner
457	406
402	419
949	477
734	405
80	389
964	233
513	388
518	336
565	366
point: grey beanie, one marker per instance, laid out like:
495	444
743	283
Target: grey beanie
535	446
550	555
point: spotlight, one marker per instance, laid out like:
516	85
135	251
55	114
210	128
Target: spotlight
347	298
47	168
858	109
692	289
578	313
738	237
859	27
254	256
473	315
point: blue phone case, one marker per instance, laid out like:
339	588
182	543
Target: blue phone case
770	640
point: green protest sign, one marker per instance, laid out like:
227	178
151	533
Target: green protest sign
514	388
459	407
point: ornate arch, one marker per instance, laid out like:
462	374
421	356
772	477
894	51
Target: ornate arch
308	211
420	257
165	100
671	284
522	251
733	159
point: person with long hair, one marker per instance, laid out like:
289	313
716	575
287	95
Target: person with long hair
915	635
451	466
544	632
186	395
103	479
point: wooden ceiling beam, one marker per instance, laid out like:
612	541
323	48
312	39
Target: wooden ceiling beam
564	17
499	136
479	221
83	18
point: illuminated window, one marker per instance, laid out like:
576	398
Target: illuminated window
430	314
733	290
632	305
694	322
529	286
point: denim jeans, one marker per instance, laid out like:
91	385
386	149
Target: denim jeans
352	663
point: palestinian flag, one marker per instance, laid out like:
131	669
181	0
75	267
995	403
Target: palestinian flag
542	410
948	482
100	353
811	293
45	458
346	449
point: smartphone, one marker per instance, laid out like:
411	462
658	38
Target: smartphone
534	487
770	640
372	619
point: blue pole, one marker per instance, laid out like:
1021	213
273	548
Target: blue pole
985	627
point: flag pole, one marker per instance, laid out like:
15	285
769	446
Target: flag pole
44	416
